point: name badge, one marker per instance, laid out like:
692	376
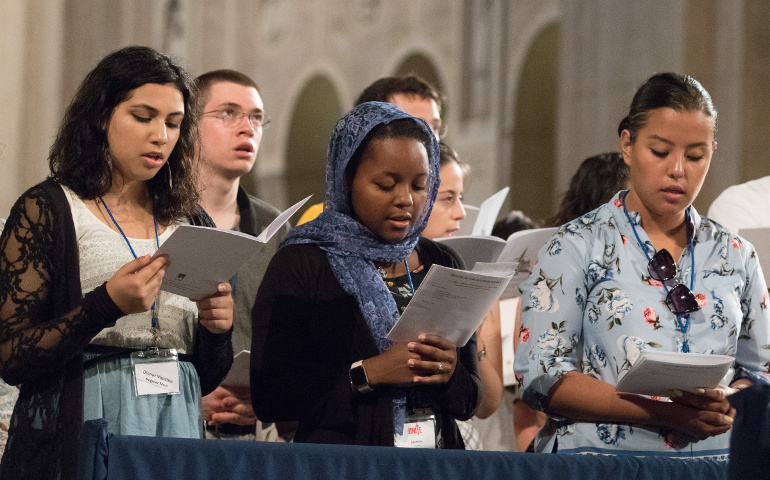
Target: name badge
156	372
419	430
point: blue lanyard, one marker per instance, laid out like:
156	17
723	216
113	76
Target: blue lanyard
684	325
409	275
157	243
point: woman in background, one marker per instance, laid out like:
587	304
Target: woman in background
444	221
595	182
448	211
79	292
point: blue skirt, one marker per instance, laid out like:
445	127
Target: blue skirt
109	393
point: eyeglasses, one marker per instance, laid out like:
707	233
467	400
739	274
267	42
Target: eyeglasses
680	299
439	128
231	117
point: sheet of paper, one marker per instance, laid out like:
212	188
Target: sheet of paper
239	372
507	268
657	373
451	303
276	224
200	258
475	248
522	247
508	309
467	223
488	212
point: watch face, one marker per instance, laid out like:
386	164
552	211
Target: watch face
357	376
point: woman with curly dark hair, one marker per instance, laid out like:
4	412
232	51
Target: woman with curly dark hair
594	183
80	299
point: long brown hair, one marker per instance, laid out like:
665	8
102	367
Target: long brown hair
80	156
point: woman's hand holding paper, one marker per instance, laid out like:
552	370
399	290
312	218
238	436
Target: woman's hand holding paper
216	311
438	358
710	399
135	285
429	360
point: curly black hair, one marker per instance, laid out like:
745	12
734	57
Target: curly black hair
80	156
594	183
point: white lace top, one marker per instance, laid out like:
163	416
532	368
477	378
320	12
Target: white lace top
102	252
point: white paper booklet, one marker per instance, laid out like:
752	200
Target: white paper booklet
508	310
511	290
200	258
475	248
451	303
521	248
760	238
239	372
657	373
488	212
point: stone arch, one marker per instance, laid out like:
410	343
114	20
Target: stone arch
534	130
313	116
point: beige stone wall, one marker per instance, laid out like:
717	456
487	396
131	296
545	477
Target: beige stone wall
477	48
30	80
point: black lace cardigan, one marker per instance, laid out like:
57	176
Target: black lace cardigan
45	321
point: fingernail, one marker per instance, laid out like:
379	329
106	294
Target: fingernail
676	393
410	346
700	391
410	363
728	418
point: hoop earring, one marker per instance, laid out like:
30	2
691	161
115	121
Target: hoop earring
170	180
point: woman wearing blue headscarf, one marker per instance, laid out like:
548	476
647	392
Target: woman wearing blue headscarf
333	291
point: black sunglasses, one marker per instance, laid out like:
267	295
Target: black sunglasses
680	299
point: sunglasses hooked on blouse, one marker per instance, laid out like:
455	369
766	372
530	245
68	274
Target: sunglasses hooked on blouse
680	299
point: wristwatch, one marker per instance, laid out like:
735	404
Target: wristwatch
358	378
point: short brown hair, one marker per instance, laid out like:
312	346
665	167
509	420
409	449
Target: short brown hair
205	81
384	88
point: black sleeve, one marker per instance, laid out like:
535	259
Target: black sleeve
212	357
33	340
302	333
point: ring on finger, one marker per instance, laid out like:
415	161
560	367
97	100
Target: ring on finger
440	367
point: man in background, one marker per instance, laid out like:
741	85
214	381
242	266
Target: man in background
231	131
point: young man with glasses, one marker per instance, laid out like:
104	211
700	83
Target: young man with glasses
231	129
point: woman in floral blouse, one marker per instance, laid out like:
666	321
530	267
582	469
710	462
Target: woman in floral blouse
598	296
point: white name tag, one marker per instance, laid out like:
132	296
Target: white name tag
157	378
156	371
419	431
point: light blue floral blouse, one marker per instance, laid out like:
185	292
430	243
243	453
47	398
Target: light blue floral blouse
591	306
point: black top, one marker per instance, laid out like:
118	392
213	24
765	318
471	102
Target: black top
45	324
307	331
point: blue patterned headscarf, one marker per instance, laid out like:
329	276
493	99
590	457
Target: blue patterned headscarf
352	248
